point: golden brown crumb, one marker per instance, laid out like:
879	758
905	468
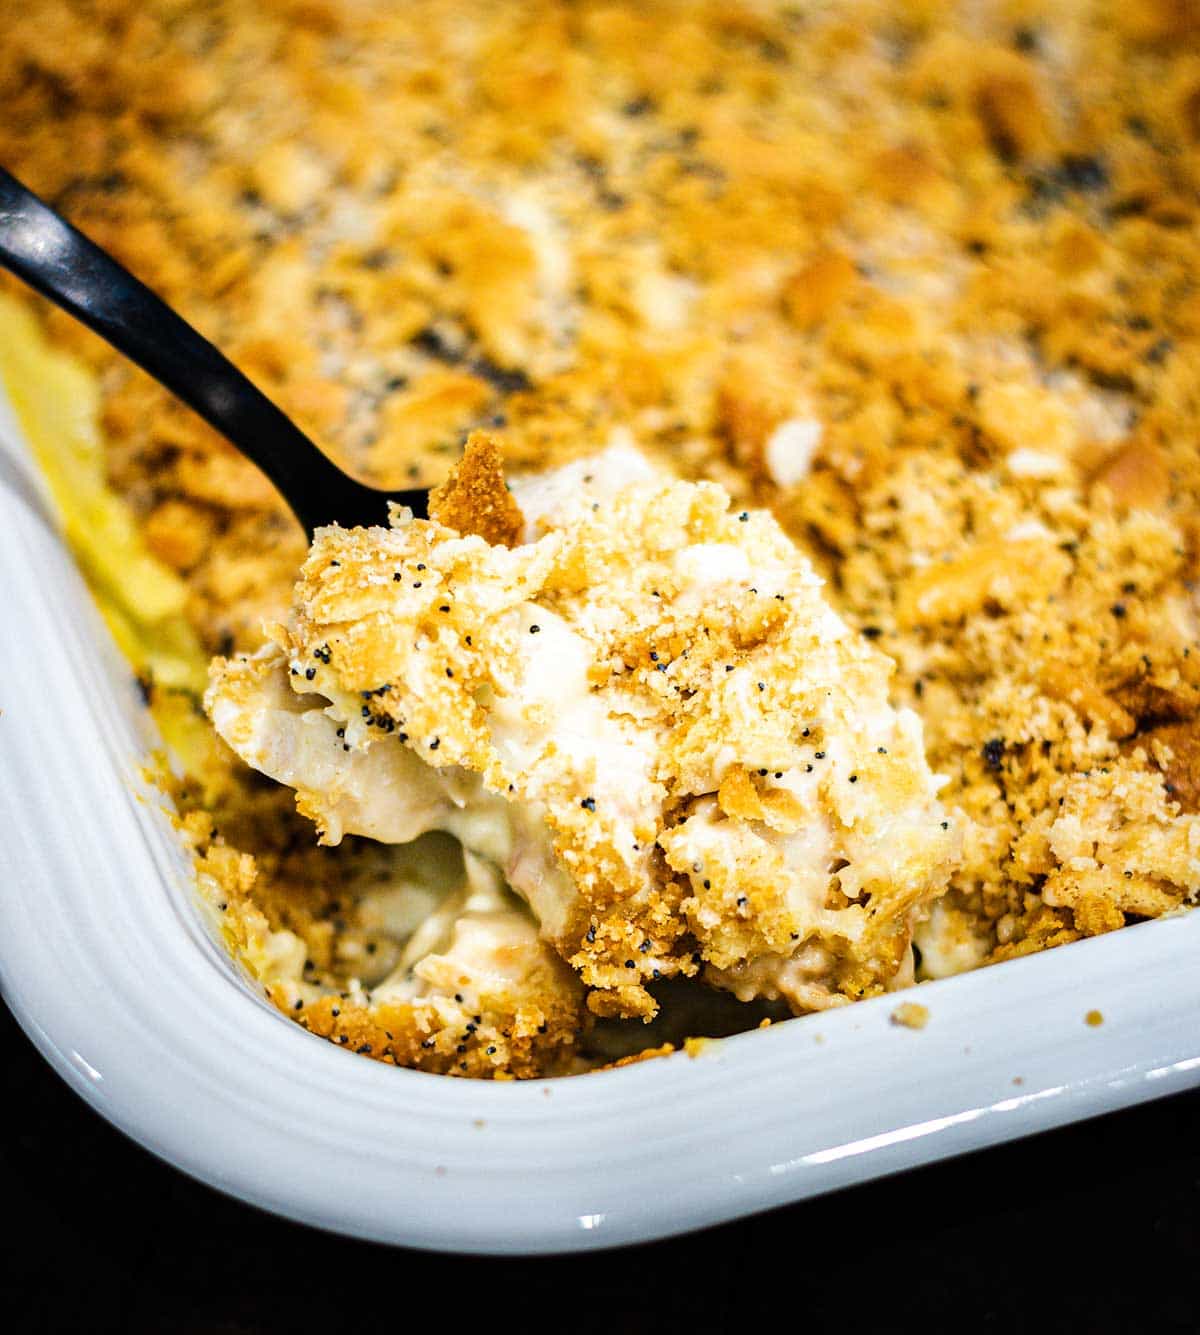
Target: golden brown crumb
474	499
646	1054
911	1015
1094	1019
1174	748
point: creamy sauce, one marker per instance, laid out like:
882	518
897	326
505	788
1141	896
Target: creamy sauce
583	482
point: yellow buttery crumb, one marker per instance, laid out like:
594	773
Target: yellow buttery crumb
911	1014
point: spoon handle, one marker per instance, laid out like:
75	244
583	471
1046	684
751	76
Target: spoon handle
60	262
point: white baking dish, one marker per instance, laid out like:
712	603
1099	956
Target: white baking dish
106	964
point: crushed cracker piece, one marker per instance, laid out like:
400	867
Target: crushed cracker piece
911	1015
474	498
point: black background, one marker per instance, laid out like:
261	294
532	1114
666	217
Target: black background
1091	1228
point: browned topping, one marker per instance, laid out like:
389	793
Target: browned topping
1174	748
474	499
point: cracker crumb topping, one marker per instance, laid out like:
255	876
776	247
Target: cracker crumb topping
474	499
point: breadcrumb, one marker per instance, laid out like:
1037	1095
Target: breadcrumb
474	499
911	1015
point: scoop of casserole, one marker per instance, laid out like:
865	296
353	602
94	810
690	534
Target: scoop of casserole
643	712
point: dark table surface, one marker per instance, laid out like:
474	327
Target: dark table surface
1091	1228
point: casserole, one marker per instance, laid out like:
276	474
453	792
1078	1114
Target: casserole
108	962
920	285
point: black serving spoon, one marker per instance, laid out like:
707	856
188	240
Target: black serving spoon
60	262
